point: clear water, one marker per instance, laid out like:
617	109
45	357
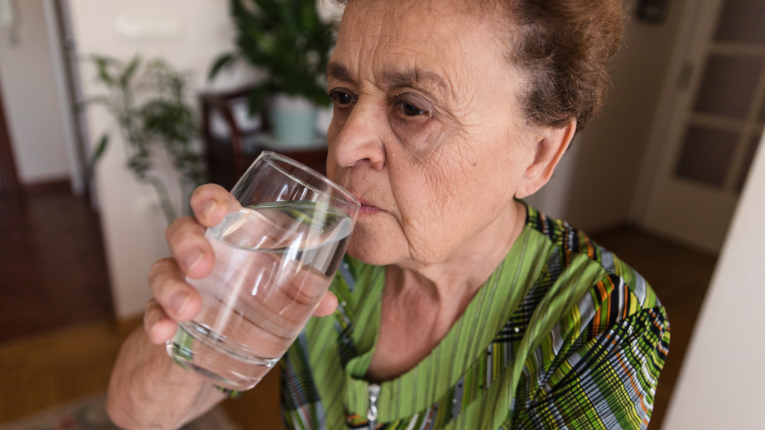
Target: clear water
273	264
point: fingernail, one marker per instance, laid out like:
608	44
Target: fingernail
178	301
208	207
194	257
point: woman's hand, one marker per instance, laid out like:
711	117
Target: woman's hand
147	390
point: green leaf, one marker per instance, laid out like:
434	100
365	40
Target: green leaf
265	43
223	62
99	151
258	96
103	64
139	164
129	71
277	36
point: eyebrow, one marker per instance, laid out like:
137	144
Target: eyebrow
339	72
395	79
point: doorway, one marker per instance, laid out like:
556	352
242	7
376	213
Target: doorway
53	267
712	125
9	181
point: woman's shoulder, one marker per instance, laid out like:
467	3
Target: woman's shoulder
572	250
588	318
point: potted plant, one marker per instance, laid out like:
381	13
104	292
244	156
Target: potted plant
149	106
289	42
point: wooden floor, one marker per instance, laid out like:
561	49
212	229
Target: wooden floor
47	370
53	270
58	342
42	371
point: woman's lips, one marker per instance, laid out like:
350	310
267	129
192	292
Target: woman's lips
367	208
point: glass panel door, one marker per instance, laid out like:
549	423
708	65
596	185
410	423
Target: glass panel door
715	124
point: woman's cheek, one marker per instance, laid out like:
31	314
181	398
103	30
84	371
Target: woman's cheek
422	141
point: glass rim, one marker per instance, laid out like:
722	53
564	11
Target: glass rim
270	156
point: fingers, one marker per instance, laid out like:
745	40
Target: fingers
159	327
190	249
179	301
211	203
185	235
327	305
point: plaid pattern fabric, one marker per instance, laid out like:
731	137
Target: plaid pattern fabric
562	335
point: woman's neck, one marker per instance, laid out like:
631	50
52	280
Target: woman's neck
422	302
468	267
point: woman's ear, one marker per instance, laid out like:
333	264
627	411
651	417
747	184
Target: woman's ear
547	153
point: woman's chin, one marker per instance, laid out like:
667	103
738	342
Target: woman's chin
374	247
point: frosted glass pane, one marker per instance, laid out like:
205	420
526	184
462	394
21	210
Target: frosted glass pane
750	151
728	85
742	21
706	155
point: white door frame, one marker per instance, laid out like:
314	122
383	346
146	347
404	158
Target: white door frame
685	70
78	173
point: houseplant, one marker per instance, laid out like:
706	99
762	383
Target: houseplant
149	106
288	41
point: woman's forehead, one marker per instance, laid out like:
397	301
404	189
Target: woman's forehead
398	41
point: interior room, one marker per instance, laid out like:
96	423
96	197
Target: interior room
669	176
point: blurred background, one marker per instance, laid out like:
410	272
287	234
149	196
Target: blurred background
111	112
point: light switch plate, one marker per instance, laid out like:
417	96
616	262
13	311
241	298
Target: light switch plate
160	28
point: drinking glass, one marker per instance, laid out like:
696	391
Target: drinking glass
276	253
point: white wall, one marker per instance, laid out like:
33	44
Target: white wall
188	34
594	187
722	383
30	97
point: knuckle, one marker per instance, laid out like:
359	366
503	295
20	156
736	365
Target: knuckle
150	315
201	190
178	226
166	288
206	191
159	268
187	238
213	189
189	234
149	308
161	264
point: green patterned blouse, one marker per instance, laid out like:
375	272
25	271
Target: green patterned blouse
562	335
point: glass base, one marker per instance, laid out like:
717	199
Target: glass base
220	361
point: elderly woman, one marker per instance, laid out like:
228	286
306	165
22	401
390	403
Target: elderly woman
460	306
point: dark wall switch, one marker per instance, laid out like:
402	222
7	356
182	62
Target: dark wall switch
652	11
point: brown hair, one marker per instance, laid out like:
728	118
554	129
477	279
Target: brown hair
564	46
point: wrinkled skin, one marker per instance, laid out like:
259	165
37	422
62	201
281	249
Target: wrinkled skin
443	154
428	133
427	129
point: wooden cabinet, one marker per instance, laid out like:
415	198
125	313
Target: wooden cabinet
233	139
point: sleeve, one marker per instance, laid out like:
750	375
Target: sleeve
231	394
606	378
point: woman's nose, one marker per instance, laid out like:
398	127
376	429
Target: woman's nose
360	140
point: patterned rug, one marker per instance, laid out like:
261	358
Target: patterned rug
90	414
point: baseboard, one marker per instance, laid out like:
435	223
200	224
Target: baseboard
48	186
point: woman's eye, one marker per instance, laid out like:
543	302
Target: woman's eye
341	99
410	110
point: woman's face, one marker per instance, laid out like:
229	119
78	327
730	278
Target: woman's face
427	131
